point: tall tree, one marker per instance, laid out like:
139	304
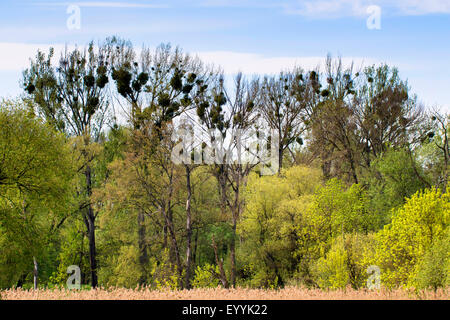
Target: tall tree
386	113
157	87
284	107
71	95
333	127
228	119
36	173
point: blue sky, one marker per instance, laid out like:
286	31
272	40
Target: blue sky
251	36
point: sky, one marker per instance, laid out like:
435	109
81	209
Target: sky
252	36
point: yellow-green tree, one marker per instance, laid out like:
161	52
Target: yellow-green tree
35	183
415	227
338	210
276	207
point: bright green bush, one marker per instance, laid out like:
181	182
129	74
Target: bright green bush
164	274
206	277
331	271
415	227
434	269
344	263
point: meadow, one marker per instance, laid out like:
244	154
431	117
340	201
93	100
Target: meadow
288	293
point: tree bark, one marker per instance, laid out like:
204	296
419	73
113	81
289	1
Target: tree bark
352	166
235	216
233	255
92	253
143	256
194	255
219	262
175	249
35	274
90	224
280	158
188	229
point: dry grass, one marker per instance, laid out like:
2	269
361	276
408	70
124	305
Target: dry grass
292	293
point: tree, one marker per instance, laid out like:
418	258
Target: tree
360	115
434	268
35	177
414	229
71	96
338	210
393	177
157	89
272	224
344	263
283	107
385	111
334	130
224	116
442	127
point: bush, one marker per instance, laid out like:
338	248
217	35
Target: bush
415	227
164	274
205	277
344	263
434	269
331	271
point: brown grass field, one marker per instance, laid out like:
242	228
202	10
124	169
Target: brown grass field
291	293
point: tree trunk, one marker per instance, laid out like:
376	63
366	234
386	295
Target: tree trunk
446	158
35	274
92	252
235	215
143	256
194	255
352	166
219	262
175	249
188	229
280	158
165	235
90	224
233	255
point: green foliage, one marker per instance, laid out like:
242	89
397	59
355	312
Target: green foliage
375	200
344	264
434	269
72	251
337	210
206	277
397	176
276	208
35	193
164	274
126	267
331	271
415	227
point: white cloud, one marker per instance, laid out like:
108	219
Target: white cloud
357	8
318	9
251	63
16	56
326	8
105	4
420	7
